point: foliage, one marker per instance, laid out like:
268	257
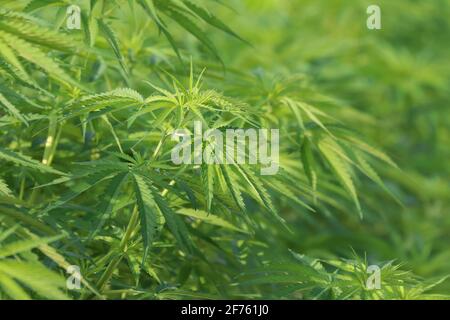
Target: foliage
86	176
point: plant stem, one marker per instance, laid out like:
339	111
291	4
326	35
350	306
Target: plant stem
158	147
51	140
132	224
50	146
107	274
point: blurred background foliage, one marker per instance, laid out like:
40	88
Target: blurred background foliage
397	81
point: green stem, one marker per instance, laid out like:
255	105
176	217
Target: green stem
132	225
51	139
123	247
50	147
159	146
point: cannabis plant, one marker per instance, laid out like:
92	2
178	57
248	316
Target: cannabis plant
93	205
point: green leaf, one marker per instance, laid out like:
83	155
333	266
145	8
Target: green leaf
371	150
208	184
111	195
186	23
38	4
35	276
4	189
12	288
233	186
25	245
89	29
26	28
308	165
176	225
341	168
210	18
210	219
149	212
81	186
118	98
260	191
26	161
12	109
111	37
39	58
367	169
